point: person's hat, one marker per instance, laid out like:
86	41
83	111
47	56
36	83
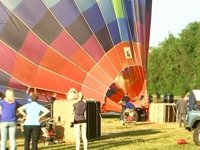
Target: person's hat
80	96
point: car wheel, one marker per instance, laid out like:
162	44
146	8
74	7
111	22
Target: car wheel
196	135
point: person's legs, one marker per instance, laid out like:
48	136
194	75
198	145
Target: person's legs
84	138
122	114
4	132
180	119
12	133
184	119
27	136
77	135
35	137
44	132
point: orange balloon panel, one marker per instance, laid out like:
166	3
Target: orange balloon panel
92	94
114	58
95	84
62	66
101	75
106	64
46	79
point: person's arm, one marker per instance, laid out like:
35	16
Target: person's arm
72	117
121	102
21	110
177	104
85	111
45	111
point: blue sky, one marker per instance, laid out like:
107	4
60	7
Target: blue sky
171	16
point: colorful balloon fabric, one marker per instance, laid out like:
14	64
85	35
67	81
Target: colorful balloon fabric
99	47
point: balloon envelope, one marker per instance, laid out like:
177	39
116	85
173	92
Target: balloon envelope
99	47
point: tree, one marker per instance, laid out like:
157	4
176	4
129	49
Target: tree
174	66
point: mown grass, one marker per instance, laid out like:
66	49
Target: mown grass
142	136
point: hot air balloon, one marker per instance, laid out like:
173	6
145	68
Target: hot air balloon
98	47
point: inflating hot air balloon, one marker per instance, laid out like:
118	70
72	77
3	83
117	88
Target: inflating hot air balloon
98	47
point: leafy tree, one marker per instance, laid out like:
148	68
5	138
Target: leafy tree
174	66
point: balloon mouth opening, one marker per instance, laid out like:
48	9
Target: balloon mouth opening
127	81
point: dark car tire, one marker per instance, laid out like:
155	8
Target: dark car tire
141	114
135	116
196	135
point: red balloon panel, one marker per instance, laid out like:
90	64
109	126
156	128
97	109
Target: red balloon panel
33	48
7	57
55	62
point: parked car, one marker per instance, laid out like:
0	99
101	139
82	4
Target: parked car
193	115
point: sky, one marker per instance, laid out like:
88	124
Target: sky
171	16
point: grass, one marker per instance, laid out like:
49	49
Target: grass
142	136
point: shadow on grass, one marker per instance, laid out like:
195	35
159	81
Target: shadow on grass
109	141
100	145
129	133
120	139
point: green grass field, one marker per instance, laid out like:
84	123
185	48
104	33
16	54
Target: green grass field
142	136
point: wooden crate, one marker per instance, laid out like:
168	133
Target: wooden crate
162	112
63	114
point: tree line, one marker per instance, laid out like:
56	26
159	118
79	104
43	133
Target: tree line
174	65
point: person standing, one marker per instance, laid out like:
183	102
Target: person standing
182	110
165	98
171	98
33	112
79	122
150	98
158	97
8	108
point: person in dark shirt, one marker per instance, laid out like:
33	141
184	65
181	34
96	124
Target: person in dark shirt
171	98
80	121
150	98
158	97
165	98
